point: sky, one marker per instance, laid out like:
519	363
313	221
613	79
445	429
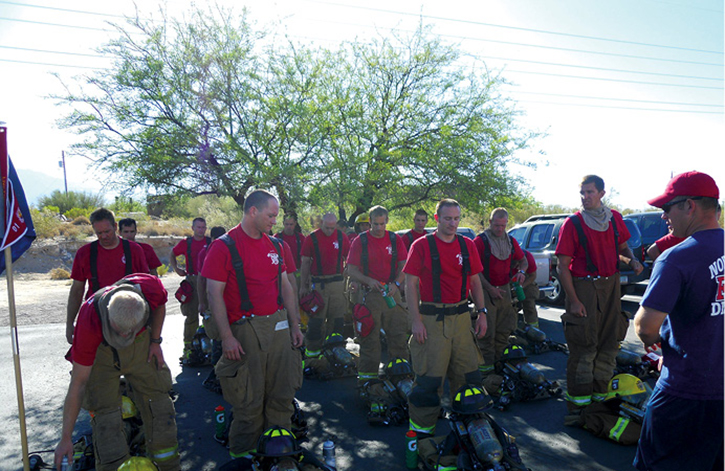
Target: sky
630	91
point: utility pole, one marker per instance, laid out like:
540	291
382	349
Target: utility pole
65	177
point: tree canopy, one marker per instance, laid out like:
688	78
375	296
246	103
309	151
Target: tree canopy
212	105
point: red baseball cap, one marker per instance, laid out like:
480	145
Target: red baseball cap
687	184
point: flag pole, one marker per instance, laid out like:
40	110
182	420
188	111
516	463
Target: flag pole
16	356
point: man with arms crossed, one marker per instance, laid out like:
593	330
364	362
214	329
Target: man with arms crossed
683	309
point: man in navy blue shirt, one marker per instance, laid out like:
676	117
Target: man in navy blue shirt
683	309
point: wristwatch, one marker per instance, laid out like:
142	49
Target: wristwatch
158	340
483	310
522	272
397	284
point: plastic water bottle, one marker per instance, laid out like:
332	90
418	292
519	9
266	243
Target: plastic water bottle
220	422
64	466
389	300
520	295
411	449
328	453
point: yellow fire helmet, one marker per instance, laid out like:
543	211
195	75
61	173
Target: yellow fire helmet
630	388
138	463
128	408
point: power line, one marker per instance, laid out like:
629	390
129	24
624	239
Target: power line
511	43
517	28
90	28
620	107
52	65
52	52
603	68
613	80
83	12
615	99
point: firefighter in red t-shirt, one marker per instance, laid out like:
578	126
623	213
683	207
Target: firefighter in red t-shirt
588	265
376	261
254	307
101	263
190	248
323	262
443	345
119	333
420	220
500	255
292	235
127	230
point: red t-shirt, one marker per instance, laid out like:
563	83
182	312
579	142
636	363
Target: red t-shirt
88	333
289	259
151	258
601	247
499	270
111	264
196	247
411	236
261	263
329	252
296	249
380	255
531	261
668	241
420	264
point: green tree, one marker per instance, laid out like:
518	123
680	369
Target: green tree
414	124
213	106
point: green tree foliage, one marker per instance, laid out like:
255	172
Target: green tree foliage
413	125
211	105
63	202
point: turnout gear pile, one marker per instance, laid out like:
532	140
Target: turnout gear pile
517	380
476	441
535	341
619	417
643	367
386	399
335	362
199	352
277	450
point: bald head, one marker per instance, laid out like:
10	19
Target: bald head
329	224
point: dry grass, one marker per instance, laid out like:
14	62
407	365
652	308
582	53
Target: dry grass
59	274
81	221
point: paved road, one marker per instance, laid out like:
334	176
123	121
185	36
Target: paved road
331	408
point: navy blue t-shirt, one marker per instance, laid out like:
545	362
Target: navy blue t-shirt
687	283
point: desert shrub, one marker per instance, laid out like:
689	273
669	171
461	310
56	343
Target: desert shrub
59	274
75	213
126	204
46	223
81	221
73	199
75	232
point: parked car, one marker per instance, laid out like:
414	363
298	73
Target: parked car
652	227
540	234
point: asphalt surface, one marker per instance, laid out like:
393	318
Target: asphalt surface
331	407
